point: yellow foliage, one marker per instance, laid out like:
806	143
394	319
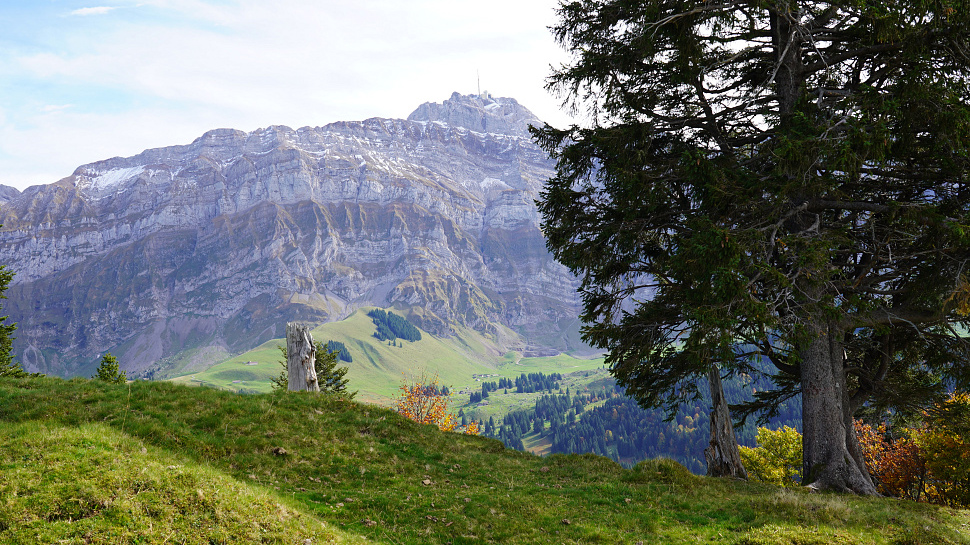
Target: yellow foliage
946	448
778	457
422	400
960	298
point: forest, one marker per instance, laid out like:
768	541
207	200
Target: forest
391	327
607	422
342	353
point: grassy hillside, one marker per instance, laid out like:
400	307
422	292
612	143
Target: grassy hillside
378	369
122	463
94	484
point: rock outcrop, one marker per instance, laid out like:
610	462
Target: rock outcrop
222	241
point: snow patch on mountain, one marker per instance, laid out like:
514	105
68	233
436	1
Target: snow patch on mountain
490	183
100	181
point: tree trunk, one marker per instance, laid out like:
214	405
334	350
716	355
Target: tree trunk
300	359
831	457
722	455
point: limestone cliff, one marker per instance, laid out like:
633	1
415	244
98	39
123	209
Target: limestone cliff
221	241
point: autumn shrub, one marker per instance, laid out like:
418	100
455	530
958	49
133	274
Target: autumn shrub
928	463
424	401
896	464
945	445
778	457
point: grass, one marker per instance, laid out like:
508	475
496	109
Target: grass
93	484
378	369
500	403
368	474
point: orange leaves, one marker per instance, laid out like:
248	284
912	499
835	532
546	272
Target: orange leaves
423	401
930	463
898	466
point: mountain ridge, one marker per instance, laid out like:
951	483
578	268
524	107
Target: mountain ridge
222	240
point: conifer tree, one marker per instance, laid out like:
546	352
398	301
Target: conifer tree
330	376
784	180
109	371
8	366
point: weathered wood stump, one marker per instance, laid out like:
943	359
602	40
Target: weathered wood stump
301	355
723	457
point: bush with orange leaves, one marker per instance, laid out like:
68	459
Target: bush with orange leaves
897	466
930	463
422	400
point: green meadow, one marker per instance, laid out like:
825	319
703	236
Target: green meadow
86	462
378	368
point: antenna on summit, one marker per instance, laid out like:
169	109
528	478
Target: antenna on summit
481	95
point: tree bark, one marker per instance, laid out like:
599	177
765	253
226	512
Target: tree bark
831	456
722	455
300	359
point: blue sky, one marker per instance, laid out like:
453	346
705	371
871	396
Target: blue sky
84	81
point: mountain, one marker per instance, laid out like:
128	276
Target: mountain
8	193
220	242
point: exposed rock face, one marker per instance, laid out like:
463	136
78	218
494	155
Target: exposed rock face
221	241
486	115
8	193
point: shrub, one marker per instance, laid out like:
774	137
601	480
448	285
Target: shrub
423	401
896	464
778	457
929	463
945	444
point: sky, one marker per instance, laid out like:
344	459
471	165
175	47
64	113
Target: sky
85	81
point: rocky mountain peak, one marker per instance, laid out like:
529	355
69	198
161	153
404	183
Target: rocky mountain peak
217	243
8	193
481	113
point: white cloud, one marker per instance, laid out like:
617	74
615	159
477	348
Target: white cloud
186	66
99	10
55	145
54	108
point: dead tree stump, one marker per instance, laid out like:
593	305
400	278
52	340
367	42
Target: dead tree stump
723	457
301	355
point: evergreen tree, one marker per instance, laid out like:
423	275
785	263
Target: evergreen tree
781	179
109	371
330	376
390	327
8	366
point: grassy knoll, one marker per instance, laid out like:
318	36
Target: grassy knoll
93	484
377	369
513	366
367	473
